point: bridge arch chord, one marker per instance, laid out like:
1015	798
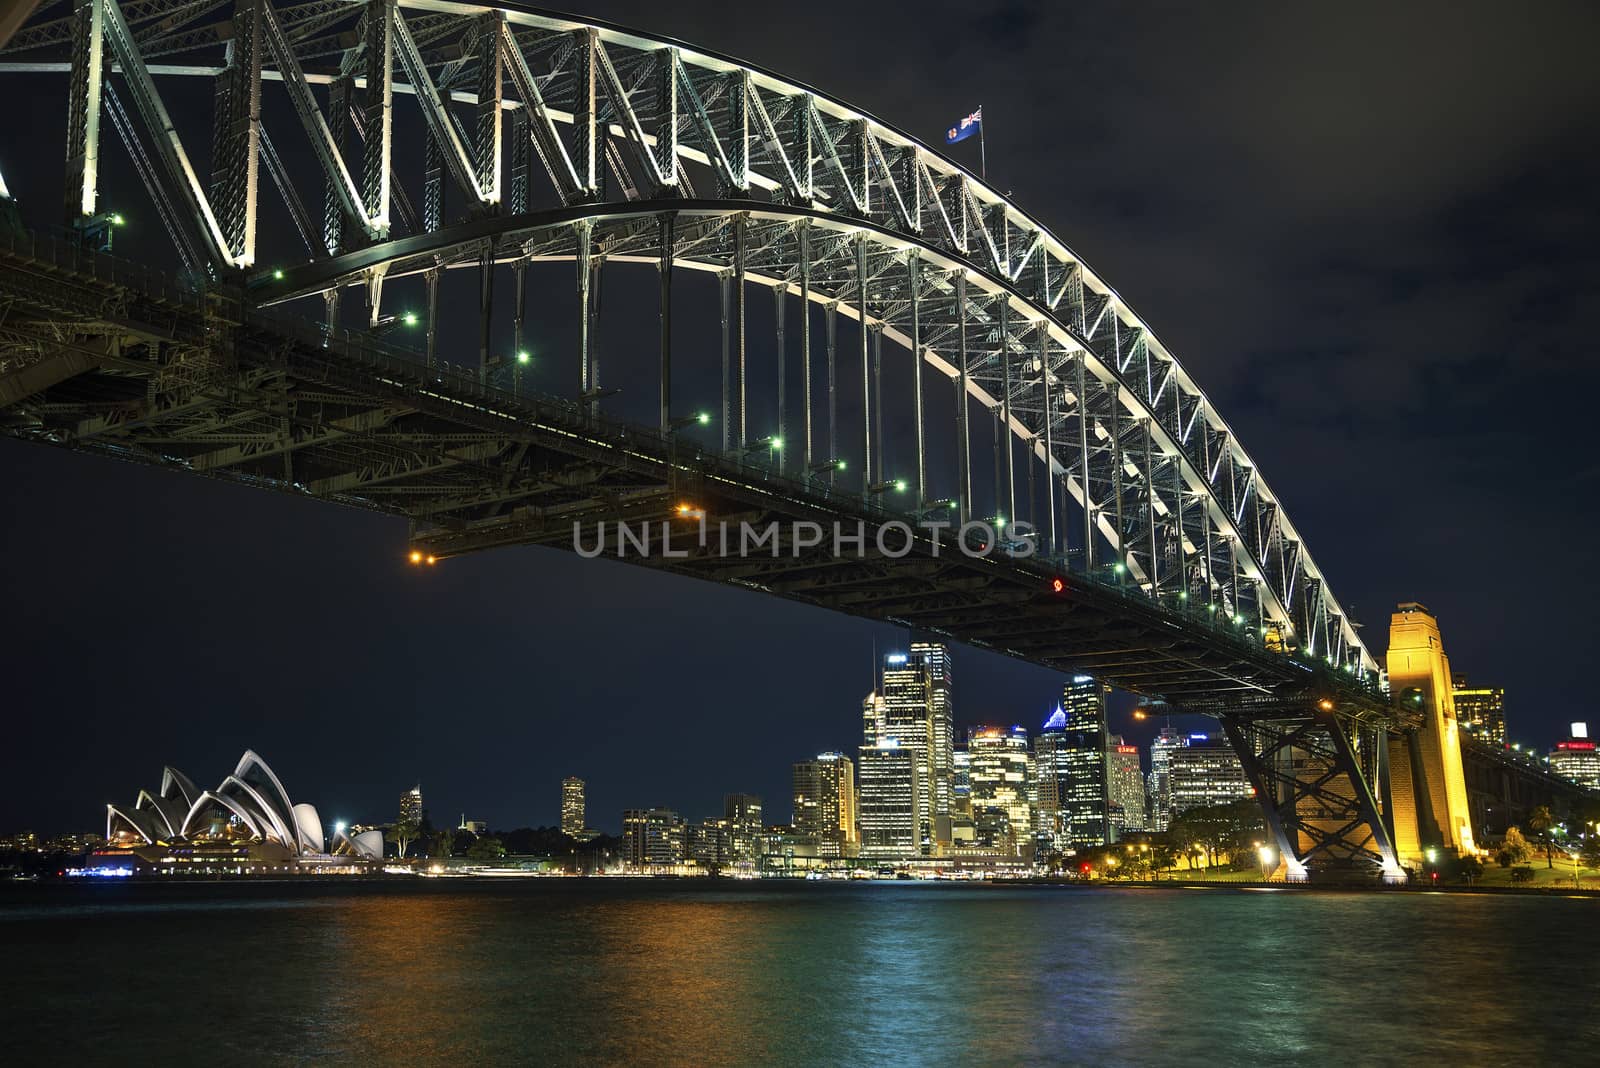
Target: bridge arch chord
621	125
1214	567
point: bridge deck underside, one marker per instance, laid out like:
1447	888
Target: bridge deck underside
275	404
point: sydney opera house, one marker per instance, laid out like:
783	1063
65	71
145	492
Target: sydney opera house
245	825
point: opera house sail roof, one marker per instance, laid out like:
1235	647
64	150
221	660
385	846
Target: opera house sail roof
249	807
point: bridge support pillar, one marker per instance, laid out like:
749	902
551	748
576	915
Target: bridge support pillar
1312	770
1428	781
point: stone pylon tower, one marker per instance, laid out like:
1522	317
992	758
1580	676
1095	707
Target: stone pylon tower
1428	787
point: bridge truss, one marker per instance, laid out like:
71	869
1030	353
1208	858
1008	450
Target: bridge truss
545	139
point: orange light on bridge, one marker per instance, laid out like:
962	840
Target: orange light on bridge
1140	713
432	560
1325	704
416	557
1057	585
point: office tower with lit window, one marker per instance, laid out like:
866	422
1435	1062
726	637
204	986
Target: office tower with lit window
1576	758
1070	763
918	716
1160	782
1050	780
1480	711
1206	772
999	774
1124	787
411	806
652	838
825	804
573	811
889	801
707	843
742	815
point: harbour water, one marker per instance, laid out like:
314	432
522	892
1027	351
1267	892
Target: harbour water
737	973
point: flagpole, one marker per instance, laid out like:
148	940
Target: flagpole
983	154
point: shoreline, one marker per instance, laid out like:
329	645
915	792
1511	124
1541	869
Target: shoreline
391	879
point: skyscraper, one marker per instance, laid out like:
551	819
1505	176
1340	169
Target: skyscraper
411	806
1167	739
741	814
1072	754
1051	785
1206	772
573	812
1124	787
1000	776
889	801
825	804
918	716
1480	710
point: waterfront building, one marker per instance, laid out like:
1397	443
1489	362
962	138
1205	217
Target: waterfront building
574	809
652	838
1160	783
1070	764
918	715
1576	758
1480	710
1124	787
1000	774
477	827
889	801
1206	772
707	843
783	852
245	824
825	804
742	815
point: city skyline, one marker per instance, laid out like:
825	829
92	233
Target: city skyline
1124	721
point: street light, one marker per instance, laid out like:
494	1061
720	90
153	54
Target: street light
684	421
771	441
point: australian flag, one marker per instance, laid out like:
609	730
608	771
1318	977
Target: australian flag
965	128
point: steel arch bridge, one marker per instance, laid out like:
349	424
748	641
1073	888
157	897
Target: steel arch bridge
415	137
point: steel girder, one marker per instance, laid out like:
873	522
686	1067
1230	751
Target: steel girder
1152	521
1163	496
1311	768
279	403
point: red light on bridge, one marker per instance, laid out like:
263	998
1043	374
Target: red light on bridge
1057	585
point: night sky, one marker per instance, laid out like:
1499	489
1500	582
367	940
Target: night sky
1368	230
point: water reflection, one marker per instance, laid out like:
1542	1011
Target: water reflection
740	974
